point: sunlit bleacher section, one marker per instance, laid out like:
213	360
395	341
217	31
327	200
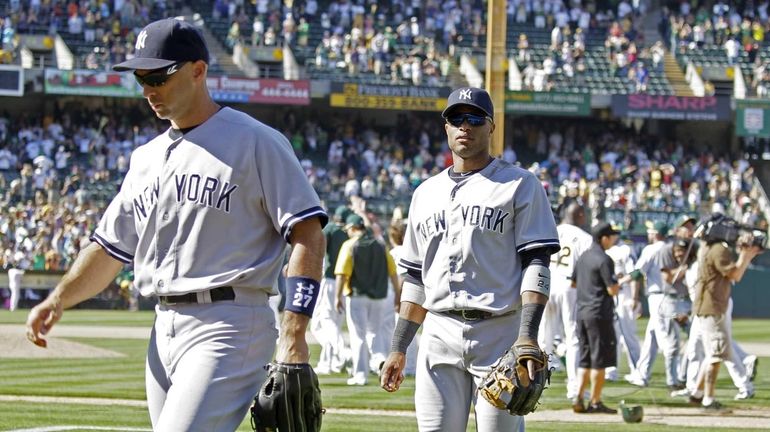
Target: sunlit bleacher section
583	62
340	40
96	35
717	37
571	46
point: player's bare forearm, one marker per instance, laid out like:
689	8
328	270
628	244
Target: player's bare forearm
308	246
292	345
412	312
528	297
306	260
91	273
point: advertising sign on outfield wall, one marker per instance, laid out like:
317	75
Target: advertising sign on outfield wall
262	91
752	118
414	98
222	88
548	103
648	106
90	83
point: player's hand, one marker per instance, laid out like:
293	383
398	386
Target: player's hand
531	365
392	373
340	305
42	318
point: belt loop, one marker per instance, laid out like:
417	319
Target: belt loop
203	297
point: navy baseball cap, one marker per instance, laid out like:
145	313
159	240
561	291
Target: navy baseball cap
471	96
165	42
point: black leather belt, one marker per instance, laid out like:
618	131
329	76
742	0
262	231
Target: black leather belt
469	314
217	294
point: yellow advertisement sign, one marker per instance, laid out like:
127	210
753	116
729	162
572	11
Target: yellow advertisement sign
387	102
387	97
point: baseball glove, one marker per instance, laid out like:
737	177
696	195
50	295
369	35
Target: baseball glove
507	386
289	400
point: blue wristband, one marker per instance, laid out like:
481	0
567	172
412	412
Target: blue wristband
301	294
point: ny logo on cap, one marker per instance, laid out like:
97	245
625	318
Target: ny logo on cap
140	40
465	94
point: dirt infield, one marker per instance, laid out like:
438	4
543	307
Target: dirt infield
16	345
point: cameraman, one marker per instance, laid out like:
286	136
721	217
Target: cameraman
717	271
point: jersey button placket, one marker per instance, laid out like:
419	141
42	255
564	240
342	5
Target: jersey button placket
454	234
163	220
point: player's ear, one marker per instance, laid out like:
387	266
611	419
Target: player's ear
199	69
492	129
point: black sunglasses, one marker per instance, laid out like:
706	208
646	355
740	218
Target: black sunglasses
158	77
457	120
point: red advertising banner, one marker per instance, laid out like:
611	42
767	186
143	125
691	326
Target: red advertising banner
264	91
671	107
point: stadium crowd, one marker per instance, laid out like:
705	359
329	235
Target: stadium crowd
109	26
58	171
569	25
731	32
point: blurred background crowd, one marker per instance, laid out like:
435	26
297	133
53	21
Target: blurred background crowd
58	171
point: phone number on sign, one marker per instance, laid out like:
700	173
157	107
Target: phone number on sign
384	102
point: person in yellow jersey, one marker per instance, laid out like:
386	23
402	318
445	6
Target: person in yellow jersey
363	268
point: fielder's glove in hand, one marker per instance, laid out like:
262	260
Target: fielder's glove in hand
507	386
289	401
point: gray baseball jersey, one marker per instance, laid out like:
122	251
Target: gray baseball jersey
209	208
461	251
464	238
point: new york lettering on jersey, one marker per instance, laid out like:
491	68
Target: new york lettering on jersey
196	188
483	217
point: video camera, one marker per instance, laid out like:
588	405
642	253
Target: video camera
721	228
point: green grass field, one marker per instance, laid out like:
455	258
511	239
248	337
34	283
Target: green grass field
123	378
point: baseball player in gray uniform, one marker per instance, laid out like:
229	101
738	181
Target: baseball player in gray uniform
203	213
476	250
662	331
